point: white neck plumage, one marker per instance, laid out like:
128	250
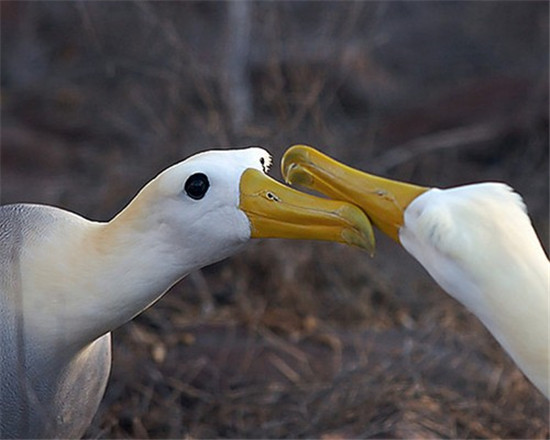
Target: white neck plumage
494	264
101	276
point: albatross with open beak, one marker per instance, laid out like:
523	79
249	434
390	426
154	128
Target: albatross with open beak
476	241
67	282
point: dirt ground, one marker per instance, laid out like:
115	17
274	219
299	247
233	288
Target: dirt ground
289	339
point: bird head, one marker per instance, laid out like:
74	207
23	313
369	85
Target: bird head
217	200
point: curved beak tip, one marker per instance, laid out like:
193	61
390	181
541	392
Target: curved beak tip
352	238
361	234
297	175
292	158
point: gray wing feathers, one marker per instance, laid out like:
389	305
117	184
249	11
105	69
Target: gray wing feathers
43	393
12	410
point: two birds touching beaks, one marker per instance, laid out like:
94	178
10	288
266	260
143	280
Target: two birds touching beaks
66	282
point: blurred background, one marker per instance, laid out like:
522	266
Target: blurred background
288	339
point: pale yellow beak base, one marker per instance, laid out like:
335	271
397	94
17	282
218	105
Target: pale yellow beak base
277	211
383	200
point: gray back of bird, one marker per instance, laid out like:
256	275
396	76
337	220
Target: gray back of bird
45	390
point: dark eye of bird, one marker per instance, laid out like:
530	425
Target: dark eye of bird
196	186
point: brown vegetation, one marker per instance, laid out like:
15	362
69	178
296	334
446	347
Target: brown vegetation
289	339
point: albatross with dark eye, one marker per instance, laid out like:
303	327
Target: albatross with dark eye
196	186
476	241
66	282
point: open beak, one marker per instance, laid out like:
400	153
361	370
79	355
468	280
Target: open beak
278	211
383	200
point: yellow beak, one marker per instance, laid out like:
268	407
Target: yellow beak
278	211
383	200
